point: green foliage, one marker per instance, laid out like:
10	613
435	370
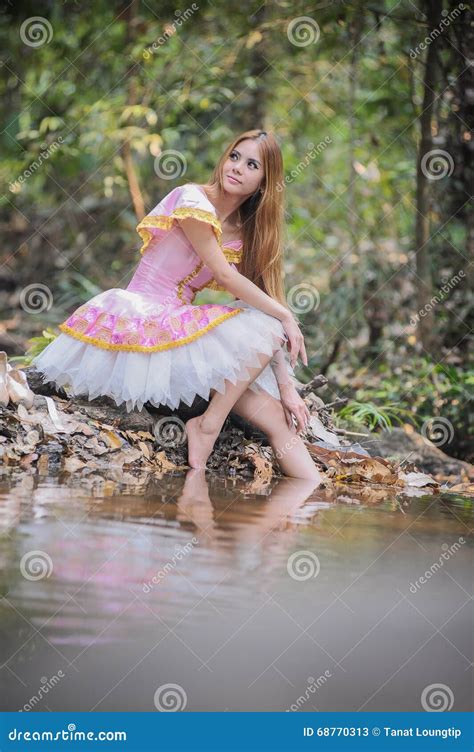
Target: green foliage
415	392
348	127
36	345
75	290
368	414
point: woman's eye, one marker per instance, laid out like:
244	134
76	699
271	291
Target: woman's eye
253	164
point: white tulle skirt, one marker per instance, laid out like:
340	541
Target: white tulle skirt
167	377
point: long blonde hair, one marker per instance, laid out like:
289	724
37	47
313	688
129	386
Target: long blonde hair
261	217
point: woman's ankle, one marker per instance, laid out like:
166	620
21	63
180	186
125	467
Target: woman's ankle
209	424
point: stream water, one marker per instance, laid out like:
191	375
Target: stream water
202	594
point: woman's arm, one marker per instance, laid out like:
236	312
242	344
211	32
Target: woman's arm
204	242
294	407
206	246
280	369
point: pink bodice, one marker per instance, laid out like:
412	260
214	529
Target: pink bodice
155	311
170	269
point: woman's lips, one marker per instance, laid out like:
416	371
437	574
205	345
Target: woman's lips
233	180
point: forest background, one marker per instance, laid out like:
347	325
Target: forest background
108	106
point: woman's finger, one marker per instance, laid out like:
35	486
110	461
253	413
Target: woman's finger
288	417
304	419
294	352
304	357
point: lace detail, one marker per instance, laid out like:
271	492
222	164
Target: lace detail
233	255
183	282
147	348
212	285
165	222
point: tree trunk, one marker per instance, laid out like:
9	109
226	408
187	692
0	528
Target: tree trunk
254	115
424	283
126	151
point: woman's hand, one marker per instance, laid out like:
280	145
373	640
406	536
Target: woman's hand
295	340
293	404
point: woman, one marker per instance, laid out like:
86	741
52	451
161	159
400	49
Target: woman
149	343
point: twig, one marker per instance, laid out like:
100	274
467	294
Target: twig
349	433
338	401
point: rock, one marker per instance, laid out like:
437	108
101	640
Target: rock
106	412
402	446
39	386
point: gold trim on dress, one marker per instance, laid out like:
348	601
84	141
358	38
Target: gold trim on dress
211	285
183	282
165	222
152	348
232	255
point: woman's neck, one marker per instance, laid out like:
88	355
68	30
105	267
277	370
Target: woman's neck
224	203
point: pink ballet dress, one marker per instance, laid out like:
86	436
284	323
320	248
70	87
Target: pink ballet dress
148	342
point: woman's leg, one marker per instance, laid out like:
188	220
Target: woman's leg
203	430
266	413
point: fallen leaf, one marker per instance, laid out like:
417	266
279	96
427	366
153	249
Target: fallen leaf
131	455
321	432
111	438
83	428
72	464
94	445
164	463
32	437
145	449
418	479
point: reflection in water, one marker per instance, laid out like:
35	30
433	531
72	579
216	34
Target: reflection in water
242	594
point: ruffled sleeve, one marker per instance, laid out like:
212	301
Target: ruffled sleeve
184	201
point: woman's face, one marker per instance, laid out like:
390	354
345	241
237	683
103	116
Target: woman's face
245	165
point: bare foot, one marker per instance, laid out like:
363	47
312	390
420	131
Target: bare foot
201	440
194	504
195	486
